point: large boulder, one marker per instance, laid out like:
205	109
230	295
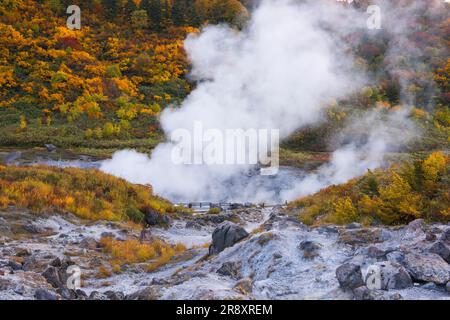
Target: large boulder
226	235
349	276
427	267
154	218
441	249
391	276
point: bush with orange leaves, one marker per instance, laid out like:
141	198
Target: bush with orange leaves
419	189
89	194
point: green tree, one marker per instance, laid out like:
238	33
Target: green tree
110	7
179	10
129	8
155	14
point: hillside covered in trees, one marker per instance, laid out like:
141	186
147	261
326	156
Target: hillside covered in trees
104	84
103	87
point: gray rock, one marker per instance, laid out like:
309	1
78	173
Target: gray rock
95	295
42	294
226	235
349	276
396	256
15	266
154	218
230	269
23	252
113	295
34	229
362	236
149	293
430	286
418	224
50	147
446	235
310	249
327	229
89	243
396	296
441	249
392	276
447	287
364	293
51	274
428	267
353	225
374	252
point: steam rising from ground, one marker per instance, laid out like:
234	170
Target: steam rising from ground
281	72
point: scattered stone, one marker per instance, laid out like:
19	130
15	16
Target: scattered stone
428	267
226	235
349	276
446	235
441	249
430	286
14	265
95	295
89	243
113	295
230	269
193	225
34	229
327	229
364	293
107	235
149	293
430	236
23	253
50	147
392	276
397	296
353	225
360	236
310	249
396	256
42	294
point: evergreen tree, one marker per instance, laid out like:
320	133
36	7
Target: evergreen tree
130	7
145	5
179	12
155	14
110	7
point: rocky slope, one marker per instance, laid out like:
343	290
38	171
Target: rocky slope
253	254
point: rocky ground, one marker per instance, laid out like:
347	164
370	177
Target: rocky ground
248	254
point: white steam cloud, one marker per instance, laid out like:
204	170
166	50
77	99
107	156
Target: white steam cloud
280	72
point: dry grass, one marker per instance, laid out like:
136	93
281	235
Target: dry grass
157	253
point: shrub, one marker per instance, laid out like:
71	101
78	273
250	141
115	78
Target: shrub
214	211
89	194
392	196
